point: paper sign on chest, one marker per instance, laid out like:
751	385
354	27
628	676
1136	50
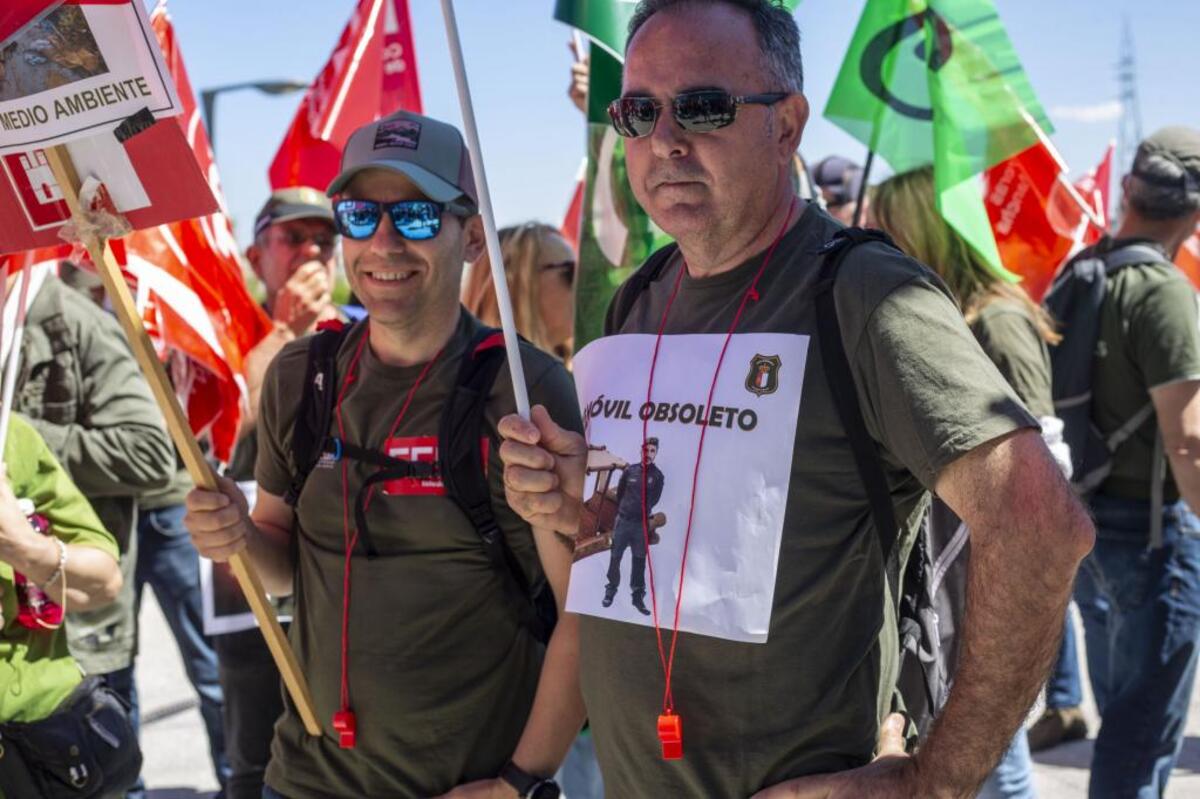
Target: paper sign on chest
626	540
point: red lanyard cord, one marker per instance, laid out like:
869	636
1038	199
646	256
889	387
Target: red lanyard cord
751	294
344	720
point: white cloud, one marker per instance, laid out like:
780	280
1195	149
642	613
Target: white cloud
1100	112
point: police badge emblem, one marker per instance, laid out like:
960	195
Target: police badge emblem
763	377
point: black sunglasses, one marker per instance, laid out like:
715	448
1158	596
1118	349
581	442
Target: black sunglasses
414	220
700	111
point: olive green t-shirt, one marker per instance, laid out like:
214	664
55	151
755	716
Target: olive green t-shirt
1007	333
810	699
1149	337
442	671
37	671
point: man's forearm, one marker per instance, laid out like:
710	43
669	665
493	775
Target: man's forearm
1185	468
1018	587
558	711
270	550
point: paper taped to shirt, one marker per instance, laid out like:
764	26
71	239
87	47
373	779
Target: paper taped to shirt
740	493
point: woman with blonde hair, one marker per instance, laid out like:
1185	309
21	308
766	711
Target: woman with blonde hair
1011	328
540	266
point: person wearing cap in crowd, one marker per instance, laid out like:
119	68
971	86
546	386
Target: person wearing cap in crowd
840	181
293	254
424	671
167	561
803	711
1140	599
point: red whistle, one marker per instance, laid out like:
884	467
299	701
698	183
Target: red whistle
344	722
670	733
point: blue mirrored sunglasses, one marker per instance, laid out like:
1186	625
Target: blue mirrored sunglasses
415	220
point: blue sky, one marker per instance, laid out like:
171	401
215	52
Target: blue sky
533	139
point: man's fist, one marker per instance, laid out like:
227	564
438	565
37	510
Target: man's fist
219	521
544	469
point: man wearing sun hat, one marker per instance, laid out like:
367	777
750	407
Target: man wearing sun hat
423	667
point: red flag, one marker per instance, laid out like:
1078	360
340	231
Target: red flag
371	73
189	285
1096	189
1038	218
573	221
1188	259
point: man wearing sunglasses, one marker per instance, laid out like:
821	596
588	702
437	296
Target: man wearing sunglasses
423	668
712	110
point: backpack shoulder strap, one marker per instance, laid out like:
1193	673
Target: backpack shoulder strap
462	465
313	417
460	456
1132	254
845	395
628	295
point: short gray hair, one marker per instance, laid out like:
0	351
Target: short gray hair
1160	189
778	35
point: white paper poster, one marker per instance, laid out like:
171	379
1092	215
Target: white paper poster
80	70
740	493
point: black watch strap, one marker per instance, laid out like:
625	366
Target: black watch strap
527	785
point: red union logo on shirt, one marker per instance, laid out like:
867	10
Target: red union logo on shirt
419	449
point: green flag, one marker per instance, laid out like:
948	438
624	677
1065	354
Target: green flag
938	82
616	235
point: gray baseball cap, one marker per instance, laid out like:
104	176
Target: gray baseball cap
430	153
297	202
1178	144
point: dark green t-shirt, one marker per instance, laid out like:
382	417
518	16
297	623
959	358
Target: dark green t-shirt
442	671
1149	337
810	699
1008	335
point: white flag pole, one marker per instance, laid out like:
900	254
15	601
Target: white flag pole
14	353
499	280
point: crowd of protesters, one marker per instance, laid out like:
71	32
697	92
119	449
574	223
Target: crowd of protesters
428	605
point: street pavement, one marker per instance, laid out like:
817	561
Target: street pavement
177	765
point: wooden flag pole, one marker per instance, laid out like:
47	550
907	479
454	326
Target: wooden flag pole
181	433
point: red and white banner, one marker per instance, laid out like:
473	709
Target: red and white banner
371	73
1038	217
189	284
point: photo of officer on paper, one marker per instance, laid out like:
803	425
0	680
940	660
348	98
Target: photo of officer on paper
612	518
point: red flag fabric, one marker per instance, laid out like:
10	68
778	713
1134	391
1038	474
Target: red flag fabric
573	221
1188	259
15	262
1038	219
1096	189
189	284
16	14
371	73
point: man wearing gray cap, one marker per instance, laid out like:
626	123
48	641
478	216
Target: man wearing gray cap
425	667
1140	596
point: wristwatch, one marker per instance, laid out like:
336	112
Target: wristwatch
528	786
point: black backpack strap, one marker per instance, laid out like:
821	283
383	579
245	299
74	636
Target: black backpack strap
315	414
464	472
628	295
1131	255
389	469
845	396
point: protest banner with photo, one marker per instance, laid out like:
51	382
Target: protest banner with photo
741	490
74	179
937	82
80	69
371	73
